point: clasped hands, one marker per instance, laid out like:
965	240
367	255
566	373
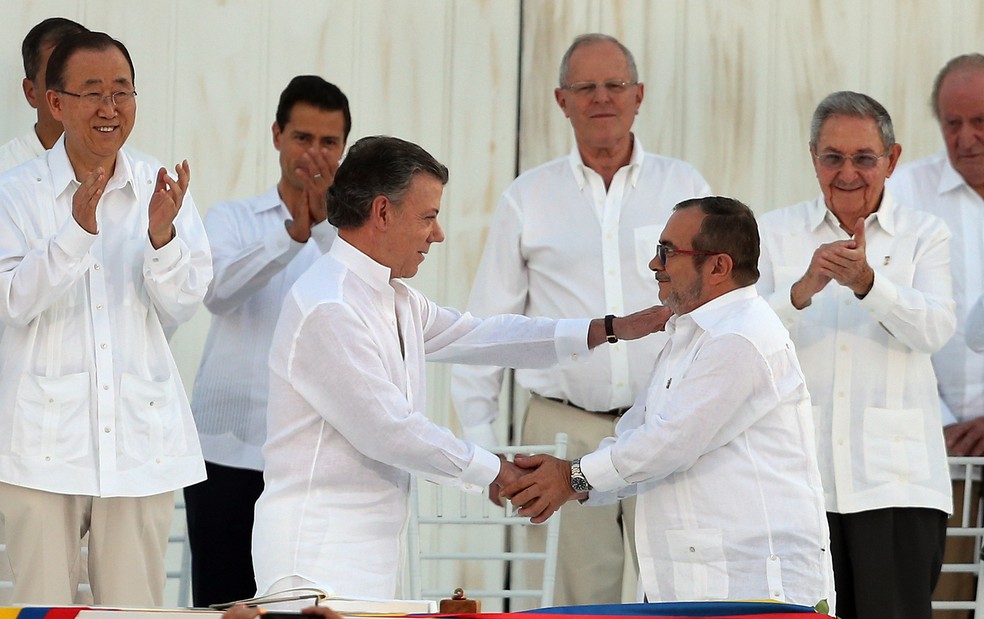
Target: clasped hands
537	485
842	261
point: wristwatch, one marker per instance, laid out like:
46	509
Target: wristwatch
579	483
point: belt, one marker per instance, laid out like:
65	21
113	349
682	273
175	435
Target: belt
615	412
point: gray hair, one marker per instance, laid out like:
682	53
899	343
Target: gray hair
856	104
966	61
377	166
595	37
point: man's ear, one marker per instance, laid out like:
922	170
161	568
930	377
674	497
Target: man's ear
54	103
31	94
721	267
275	129
381	212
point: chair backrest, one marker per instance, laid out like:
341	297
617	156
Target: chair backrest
445	519
969	469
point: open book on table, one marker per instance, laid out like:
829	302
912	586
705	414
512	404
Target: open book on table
340	604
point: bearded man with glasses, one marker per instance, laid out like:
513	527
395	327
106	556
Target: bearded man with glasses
101	255
863	285
570	238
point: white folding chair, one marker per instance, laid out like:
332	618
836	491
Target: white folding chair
457	516
970	470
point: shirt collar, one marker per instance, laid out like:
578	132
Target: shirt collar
268	200
717	309
63	174
885	215
950	179
375	274
635	164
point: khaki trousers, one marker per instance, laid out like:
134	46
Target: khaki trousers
597	561
127	542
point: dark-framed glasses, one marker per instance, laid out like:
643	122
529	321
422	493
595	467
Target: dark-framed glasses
861	161
663	252
588	89
118	99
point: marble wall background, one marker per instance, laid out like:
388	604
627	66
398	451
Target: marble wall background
730	87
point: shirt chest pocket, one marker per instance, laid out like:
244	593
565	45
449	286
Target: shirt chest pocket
151	418
700	571
52	417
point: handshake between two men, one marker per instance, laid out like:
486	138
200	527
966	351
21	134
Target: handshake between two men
540	484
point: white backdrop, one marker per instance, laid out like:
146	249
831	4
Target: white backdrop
730	87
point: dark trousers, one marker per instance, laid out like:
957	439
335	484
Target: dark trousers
220	532
886	561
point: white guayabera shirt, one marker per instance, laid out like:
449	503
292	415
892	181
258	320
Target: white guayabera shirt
90	398
720	451
867	361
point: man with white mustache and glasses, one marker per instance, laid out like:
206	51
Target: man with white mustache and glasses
863	285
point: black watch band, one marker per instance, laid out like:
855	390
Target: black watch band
610	328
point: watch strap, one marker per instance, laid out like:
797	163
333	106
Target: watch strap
610	329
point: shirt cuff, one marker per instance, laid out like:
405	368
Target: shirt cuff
164	258
480	472
600	472
571	337
882	297
482	435
75	240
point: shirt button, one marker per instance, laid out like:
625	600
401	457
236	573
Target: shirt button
840	394
574	356
844	348
155	259
105	387
96	267
51	400
158	460
47	458
773	558
99	307
103	346
107	430
840	441
151	402
692	549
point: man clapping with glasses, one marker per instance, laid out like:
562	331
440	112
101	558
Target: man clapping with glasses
863	284
100	254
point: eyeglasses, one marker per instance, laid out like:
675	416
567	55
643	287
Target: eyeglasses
861	161
663	252
119	99
587	90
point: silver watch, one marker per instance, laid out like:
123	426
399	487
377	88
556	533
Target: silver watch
579	483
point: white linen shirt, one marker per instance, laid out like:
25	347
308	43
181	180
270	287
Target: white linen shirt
91	402
255	263
20	149
867	361
347	421
562	246
720	451
932	185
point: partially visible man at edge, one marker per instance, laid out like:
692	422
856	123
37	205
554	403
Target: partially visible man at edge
35	51
950	185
